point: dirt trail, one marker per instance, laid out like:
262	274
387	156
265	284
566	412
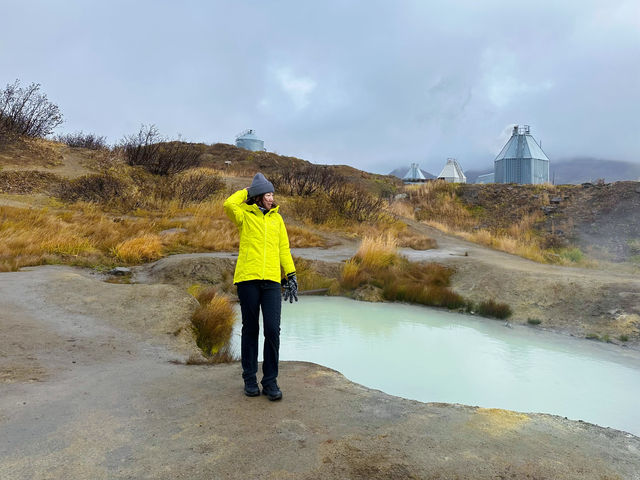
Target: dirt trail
88	390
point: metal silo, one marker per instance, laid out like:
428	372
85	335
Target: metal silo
249	141
452	172
521	160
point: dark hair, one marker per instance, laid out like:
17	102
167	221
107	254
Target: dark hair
258	201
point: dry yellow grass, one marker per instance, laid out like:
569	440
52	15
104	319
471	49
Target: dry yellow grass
442	209
303	237
84	234
377	266
213	321
377	252
402	208
145	248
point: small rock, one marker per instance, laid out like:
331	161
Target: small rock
638	190
556	200
120	271
401	196
548	209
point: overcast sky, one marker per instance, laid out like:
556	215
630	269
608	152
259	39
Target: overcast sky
375	84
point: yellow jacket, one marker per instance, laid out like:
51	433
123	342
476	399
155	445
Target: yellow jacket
264	244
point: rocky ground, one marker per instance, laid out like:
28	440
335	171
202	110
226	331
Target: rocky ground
92	386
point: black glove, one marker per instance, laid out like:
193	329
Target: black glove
290	288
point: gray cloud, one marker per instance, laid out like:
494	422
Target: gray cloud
371	84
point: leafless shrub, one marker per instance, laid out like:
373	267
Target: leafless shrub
195	185
26	111
157	155
102	188
83	140
30	181
306	180
356	204
141	148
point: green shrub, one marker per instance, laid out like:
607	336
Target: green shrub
623	338
574	255
592	336
534	321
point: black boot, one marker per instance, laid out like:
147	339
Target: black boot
251	389
272	392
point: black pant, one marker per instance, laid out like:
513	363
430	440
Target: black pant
254	294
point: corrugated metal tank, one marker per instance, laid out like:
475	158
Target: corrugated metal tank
521	160
249	141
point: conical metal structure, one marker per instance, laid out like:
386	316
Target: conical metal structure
452	172
521	160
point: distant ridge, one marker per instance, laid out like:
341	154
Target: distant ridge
580	170
586	169
400	172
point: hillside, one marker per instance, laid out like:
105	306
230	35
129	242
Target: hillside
603	220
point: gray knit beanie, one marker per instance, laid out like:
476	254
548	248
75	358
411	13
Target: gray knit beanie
259	186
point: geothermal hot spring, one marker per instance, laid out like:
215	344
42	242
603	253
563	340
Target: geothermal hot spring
432	355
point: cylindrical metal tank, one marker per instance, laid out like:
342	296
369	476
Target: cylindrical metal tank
249	141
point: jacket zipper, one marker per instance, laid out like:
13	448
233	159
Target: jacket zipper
264	249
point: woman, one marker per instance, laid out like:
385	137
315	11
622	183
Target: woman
264	250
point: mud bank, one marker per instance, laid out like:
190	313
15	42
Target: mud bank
88	390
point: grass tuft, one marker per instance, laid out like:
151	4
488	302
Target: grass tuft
147	247
213	323
491	308
377	252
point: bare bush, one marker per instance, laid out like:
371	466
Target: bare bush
195	185
157	155
356	204
141	148
306	180
102	188
30	181
26	111
80	139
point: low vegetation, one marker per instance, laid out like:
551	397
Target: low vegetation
507	218
212	324
378	270
491	308
156	154
309	279
80	139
